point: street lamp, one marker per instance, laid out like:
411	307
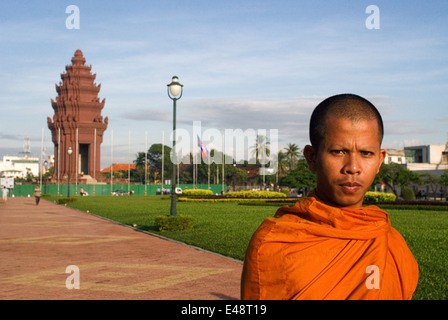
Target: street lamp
45	167
234	172
69	151
175	90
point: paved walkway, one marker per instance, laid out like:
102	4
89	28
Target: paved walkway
39	243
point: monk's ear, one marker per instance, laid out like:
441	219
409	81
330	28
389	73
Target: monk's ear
310	155
382	157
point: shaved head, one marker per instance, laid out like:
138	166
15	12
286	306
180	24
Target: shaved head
347	106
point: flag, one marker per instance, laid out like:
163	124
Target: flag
204	150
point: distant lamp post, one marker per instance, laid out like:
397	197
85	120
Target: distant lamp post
234	173
175	90
45	170
69	152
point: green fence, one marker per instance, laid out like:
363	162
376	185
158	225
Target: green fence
25	190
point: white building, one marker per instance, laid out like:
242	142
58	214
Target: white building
432	159
429	160
395	156
18	167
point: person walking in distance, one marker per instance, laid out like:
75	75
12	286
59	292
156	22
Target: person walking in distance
5	193
36	194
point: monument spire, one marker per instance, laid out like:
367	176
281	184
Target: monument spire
77	121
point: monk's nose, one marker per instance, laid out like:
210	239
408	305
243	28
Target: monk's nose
352	165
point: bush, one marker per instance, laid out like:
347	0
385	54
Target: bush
407	194
239	200
374	196
65	200
255	194
170	223
197	192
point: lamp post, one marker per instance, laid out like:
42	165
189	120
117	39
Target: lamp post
69	152
175	90
233	176
45	167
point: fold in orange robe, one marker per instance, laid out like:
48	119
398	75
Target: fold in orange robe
315	251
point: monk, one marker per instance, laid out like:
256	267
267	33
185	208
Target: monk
328	245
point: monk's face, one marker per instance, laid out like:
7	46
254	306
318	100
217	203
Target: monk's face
346	162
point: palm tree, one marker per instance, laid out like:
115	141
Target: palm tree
281	165
281	161
292	151
261	147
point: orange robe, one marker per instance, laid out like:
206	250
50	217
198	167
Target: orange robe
315	251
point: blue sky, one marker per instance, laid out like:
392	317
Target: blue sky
244	64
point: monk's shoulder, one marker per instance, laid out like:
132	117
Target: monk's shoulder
277	230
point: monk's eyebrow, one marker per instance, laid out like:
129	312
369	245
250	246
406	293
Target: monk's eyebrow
361	149
337	147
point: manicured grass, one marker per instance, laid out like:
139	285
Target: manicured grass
226	228
426	233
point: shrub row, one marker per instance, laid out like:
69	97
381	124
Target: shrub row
374	196
399	206
197	192
239	200
255	194
64	200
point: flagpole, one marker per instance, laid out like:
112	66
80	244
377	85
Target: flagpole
193	156
59	154
163	158
208	158
94	160
41	155
223	160
146	156
129	161
76	163
111	159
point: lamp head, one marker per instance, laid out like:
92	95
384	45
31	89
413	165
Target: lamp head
175	88
69	151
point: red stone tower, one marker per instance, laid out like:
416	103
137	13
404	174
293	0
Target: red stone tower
77	122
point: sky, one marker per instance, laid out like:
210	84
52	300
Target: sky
251	65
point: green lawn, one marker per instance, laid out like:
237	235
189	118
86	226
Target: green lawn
226	228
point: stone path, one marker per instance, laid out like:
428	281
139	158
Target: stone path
47	249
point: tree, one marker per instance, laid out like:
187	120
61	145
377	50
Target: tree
154	162
301	177
281	166
444	180
395	175
430	179
140	167
292	152
261	148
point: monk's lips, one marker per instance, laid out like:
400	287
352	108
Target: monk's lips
350	187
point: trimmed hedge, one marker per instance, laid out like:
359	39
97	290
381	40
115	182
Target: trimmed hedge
407	194
399	206
65	200
170	223
239	200
255	194
197	192
374	196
